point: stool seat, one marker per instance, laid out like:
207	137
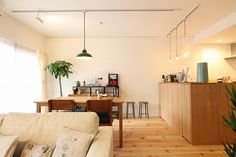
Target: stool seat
132	103
141	113
143	102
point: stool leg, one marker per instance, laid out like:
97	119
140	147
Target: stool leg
127	110
133	111
139	110
147	111
145	106
141	113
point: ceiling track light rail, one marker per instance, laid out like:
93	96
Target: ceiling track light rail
96	10
176	36
184	19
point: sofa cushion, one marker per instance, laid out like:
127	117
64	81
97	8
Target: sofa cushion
19	148
72	144
102	145
37	150
44	128
7	145
1	118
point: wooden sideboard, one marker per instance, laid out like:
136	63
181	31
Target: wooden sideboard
196	111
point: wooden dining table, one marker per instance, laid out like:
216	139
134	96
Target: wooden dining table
82	102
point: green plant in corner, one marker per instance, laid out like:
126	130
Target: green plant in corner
230	149
60	69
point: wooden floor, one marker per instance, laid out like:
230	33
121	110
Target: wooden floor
154	138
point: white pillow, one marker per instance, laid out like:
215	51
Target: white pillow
7	145
72	144
37	150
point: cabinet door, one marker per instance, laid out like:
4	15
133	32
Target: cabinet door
204	114
186	112
170	103
226	135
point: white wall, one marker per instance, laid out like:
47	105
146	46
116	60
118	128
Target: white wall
214	55
140	62
15	31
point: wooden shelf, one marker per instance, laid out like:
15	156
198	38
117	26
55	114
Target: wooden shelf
115	89
231	57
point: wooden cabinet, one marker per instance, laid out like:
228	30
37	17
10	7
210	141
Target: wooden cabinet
196	111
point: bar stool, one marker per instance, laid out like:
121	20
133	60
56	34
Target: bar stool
127	108
146	113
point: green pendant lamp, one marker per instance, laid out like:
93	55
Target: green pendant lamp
84	55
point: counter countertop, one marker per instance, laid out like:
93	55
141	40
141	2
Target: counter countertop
193	83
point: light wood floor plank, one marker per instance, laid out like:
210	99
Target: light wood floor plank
154	138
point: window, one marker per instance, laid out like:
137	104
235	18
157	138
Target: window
20	80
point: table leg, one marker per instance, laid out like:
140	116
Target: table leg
38	108
120	107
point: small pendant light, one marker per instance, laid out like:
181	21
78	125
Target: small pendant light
170	49
176	45
185	40
84	55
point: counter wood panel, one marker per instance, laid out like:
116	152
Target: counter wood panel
186	112
204	110
170	102
224	107
196	111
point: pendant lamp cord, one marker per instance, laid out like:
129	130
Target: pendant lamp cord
176	43
170	48
185	37
84	11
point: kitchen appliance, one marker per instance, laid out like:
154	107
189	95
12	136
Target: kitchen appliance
171	78
75	89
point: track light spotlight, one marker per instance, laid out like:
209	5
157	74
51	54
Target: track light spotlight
38	18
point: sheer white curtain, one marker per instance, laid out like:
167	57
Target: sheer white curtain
20	80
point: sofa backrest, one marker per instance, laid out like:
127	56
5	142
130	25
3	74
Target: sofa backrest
44	128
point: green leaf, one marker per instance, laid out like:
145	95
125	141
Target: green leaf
232	94
230	149
229	91
231	122
59	69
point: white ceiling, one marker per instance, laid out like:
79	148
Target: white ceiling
122	24
226	36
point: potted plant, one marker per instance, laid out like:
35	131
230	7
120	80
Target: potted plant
230	149
60	69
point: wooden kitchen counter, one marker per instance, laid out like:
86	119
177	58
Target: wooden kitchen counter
196	110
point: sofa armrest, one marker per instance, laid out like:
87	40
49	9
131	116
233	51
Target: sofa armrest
102	145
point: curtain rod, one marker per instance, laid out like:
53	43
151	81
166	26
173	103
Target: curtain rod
194	9
95	10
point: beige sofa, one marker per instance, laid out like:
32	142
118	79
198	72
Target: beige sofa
44	129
